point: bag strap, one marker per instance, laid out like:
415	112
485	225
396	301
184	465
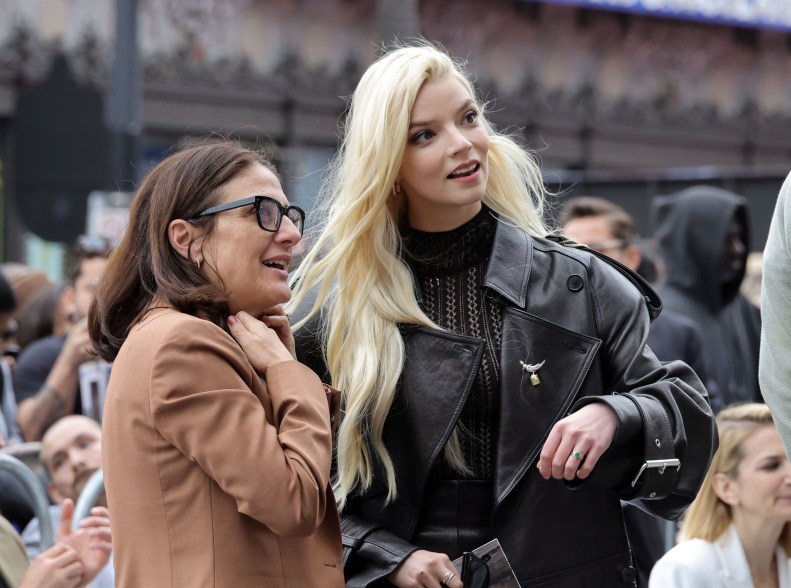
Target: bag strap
652	300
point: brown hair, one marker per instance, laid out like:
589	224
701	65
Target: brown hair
619	221
144	264
85	247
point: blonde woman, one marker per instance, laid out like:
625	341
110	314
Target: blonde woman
736	531
479	361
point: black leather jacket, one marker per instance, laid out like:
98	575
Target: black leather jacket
588	323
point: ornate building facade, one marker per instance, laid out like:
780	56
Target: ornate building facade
605	96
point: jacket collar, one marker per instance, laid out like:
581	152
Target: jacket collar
734	569
509	266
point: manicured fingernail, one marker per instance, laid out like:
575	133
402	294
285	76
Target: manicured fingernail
232	320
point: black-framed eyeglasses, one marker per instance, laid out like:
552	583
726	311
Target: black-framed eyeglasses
269	212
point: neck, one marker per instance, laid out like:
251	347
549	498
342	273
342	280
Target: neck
759	539
437	219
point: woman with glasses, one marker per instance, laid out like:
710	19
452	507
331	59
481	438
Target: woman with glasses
736	533
216	442
496	385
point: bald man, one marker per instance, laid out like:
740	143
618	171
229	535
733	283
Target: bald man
71	452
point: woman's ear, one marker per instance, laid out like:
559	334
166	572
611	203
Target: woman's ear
725	488
181	235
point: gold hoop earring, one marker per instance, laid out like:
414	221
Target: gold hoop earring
397	188
197	263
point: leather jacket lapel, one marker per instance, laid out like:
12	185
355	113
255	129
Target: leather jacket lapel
438	374
529	409
506	274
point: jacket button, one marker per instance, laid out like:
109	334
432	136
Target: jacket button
628	575
574	283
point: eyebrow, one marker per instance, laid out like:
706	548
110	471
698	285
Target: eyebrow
420	123
85	436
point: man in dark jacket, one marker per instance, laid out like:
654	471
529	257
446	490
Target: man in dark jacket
703	235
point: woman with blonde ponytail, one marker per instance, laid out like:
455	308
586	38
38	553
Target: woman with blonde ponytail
736	533
484	370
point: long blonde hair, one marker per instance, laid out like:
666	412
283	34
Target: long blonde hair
363	288
709	517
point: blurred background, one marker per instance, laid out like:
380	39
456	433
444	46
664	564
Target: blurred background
624	99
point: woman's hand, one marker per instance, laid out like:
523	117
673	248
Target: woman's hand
425	569
576	443
261	344
277	320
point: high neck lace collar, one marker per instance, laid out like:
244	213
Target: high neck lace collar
449	252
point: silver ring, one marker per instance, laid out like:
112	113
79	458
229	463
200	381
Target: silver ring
577	455
447	577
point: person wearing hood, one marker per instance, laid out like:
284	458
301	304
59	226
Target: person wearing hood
703	236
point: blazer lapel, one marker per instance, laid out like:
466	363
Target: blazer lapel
533	400
734	569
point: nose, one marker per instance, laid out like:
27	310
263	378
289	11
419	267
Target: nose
288	232
459	143
737	248
77	458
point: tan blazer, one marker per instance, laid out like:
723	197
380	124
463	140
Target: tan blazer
213	478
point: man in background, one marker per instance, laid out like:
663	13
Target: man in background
47	375
71	453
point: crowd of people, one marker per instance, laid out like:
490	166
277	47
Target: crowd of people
447	368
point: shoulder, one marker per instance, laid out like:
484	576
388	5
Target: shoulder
42	350
34	364
557	250
693	560
611	284
183	354
599	268
167	334
165	324
680	328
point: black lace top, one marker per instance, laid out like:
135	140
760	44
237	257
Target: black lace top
448	268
